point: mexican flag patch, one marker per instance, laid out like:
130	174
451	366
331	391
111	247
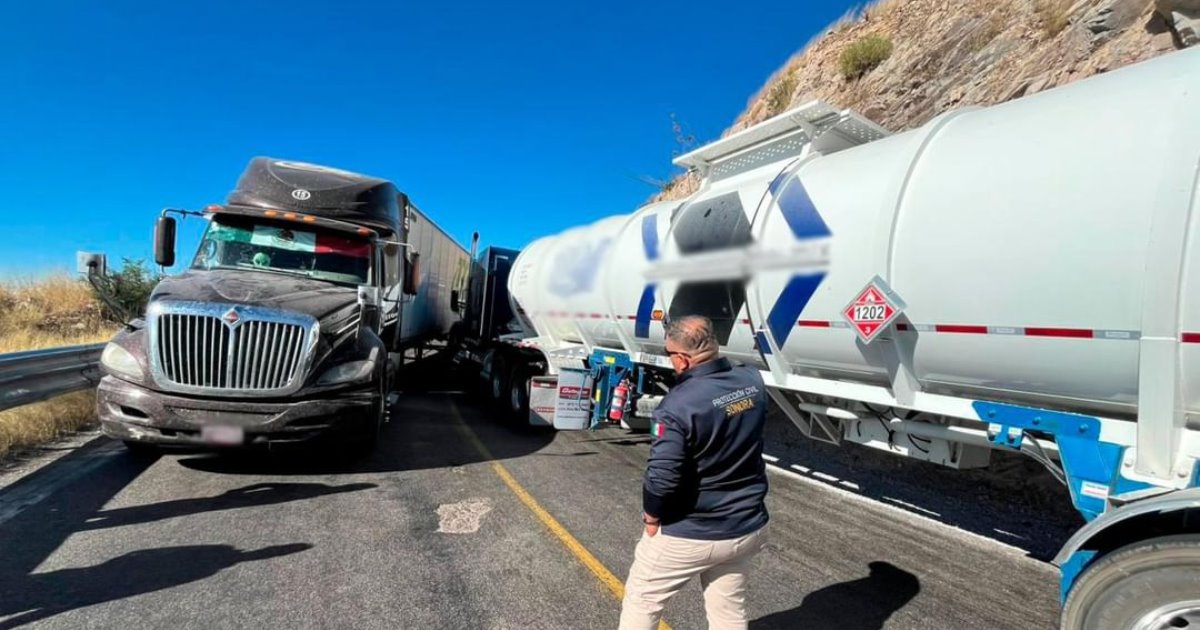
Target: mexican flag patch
657	429
292	240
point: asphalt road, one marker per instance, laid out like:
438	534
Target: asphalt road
426	533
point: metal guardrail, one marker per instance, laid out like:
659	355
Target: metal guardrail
28	377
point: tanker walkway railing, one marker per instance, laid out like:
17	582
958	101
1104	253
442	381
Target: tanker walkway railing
35	375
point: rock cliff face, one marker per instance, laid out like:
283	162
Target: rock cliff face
946	55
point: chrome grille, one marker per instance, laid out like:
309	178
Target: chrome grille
195	350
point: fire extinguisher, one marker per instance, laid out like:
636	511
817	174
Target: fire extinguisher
616	410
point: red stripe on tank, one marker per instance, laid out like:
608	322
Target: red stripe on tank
961	328
1077	333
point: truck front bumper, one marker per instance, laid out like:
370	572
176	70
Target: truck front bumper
133	413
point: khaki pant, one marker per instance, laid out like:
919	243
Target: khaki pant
663	564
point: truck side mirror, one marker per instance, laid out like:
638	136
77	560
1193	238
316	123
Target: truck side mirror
413	278
164	241
454	303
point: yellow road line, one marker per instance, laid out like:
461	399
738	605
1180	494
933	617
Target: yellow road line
572	544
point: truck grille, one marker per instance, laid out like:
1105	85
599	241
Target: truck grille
201	348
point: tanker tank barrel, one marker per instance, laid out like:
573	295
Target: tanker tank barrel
1003	278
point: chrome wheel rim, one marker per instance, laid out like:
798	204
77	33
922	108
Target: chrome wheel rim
1171	616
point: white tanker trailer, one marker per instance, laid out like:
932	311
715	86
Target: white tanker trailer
1022	277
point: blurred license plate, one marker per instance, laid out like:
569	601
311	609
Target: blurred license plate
223	435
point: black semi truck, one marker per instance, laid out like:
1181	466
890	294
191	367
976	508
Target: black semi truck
292	318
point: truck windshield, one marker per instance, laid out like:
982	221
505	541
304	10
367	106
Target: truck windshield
236	242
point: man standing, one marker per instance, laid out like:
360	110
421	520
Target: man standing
704	486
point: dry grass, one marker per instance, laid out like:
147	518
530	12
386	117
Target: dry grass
56	311
779	96
45	421
1053	15
882	9
848	19
990	27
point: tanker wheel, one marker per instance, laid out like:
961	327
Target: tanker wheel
1150	585
518	396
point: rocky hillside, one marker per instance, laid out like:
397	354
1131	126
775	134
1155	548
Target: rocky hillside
902	62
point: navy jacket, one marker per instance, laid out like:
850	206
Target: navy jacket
706	478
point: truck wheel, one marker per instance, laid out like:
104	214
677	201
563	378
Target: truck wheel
1150	585
518	396
498	382
363	442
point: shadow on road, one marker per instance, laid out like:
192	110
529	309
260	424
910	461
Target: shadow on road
1014	500
425	432
862	604
428	430
254	495
622	441
636	440
44	595
31	536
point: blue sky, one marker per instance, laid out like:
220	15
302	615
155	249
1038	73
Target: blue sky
514	119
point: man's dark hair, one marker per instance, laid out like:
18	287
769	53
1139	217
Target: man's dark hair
694	334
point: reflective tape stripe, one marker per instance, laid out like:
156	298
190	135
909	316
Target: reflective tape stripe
1079	333
979	329
960	328
973	329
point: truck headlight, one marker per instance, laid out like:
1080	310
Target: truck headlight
119	360
347	372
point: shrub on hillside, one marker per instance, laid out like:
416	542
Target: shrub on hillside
864	55
1053	15
780	95
128	288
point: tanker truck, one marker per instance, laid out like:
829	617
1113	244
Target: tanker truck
1021	277
309	285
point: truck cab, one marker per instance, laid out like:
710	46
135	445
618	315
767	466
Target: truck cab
286	325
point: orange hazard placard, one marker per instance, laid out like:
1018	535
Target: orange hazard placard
873	309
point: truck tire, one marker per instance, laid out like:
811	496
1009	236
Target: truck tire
1149	585
517	410
366	439
498	381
